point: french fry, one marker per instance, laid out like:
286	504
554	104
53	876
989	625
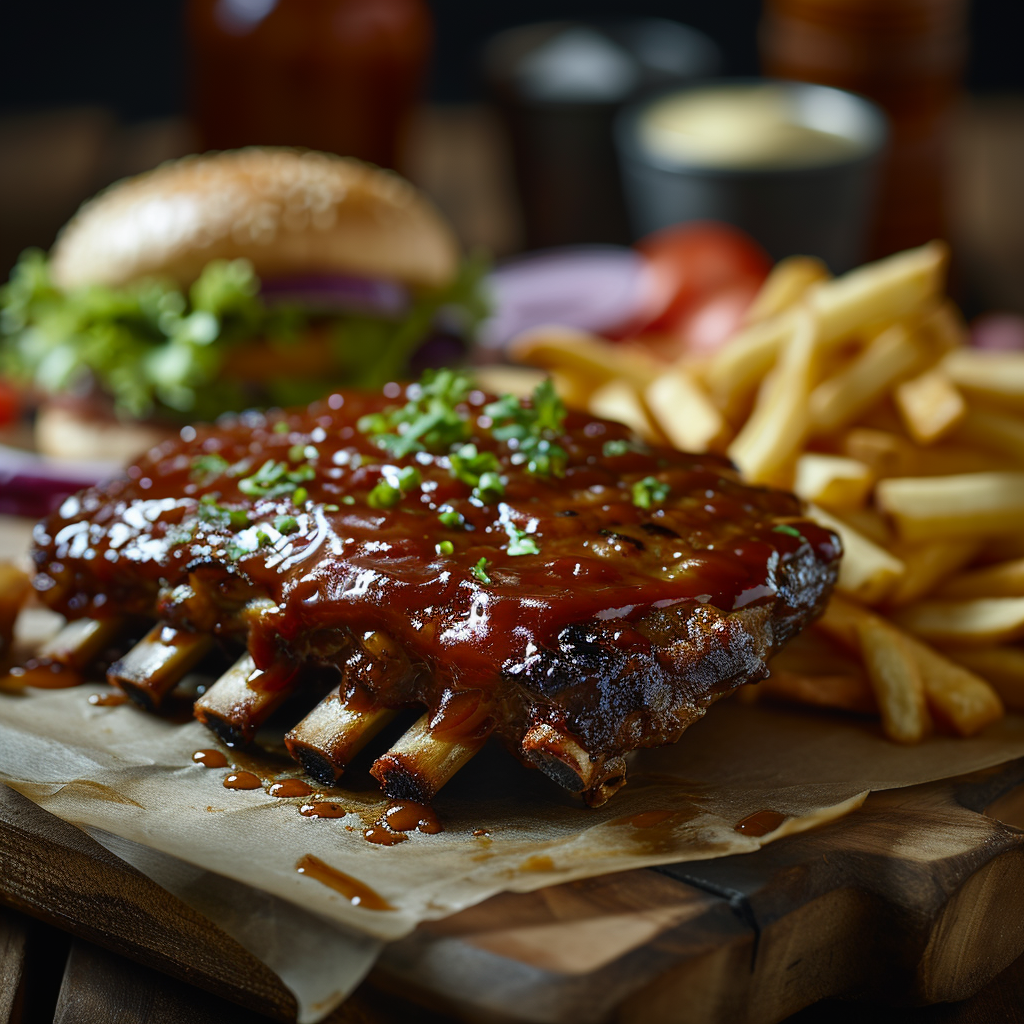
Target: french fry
896	679
851	692
619	400
564	348
870	522
831	480
880	292
959	505
976	622
771	437
1004	579
787	283
891	454
685	413
997	431
889	358
926	565
959	699
867	572
988	375
930	406
1001	667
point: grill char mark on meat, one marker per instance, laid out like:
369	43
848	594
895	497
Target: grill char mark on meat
600	643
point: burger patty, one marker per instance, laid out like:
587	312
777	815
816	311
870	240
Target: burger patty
511	568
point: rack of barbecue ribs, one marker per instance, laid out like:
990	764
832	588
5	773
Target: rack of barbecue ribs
502	566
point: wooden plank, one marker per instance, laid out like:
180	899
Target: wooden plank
99	986
55	872
12	968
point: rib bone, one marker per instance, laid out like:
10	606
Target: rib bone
332	734
235	709
157	663
62	659
563	759
420	763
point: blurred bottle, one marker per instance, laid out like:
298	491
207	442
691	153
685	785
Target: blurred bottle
336	75
906	55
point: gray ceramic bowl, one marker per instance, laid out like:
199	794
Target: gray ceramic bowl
814	200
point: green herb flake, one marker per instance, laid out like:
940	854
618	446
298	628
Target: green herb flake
480	571
445	547
489	489
649	492
791	531
452	519
337	508
299	496
520	542
348	500
620	446
286	524
205	468
383	495
281	427
409	479
274	480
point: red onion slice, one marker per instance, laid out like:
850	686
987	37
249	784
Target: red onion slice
33	486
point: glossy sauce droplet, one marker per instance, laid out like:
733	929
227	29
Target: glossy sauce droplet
406	815
210	759
290	787
381	835
107	700
356	892
322	809
242	780
760	823
537	863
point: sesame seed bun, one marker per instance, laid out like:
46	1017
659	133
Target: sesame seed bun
289	212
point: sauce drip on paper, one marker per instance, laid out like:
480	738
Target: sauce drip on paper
357	893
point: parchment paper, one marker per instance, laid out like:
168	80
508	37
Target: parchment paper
128	778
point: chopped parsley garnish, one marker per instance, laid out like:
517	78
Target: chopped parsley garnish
429	421
620	446
792	531
519	541
649	492
286	524
303	453
275	479
205	468
445	547
531	429
452	519
299	496
480	571
383	495
480	470
217	515
281	427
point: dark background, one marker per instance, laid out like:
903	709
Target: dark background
128	55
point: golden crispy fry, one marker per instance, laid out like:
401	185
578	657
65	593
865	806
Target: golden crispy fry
998	431
1001	667
870	522
831	480
959	700
880	292
1004	579
891	454
502	379
619	400
685	413
840	692
930	406
896	679
769	440
867	572
926	565
597	360
997	376
785	286
14	591
960	505
976	622
839	400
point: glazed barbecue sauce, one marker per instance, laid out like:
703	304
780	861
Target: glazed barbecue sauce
170	539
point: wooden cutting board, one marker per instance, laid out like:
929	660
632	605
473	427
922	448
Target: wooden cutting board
918	897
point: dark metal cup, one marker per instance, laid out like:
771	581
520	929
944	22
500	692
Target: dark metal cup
816	207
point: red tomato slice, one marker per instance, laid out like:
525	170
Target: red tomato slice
697	260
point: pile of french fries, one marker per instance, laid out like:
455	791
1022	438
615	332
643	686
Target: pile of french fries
860	394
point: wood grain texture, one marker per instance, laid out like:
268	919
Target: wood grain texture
12	968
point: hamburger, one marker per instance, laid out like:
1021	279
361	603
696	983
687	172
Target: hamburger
253	278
